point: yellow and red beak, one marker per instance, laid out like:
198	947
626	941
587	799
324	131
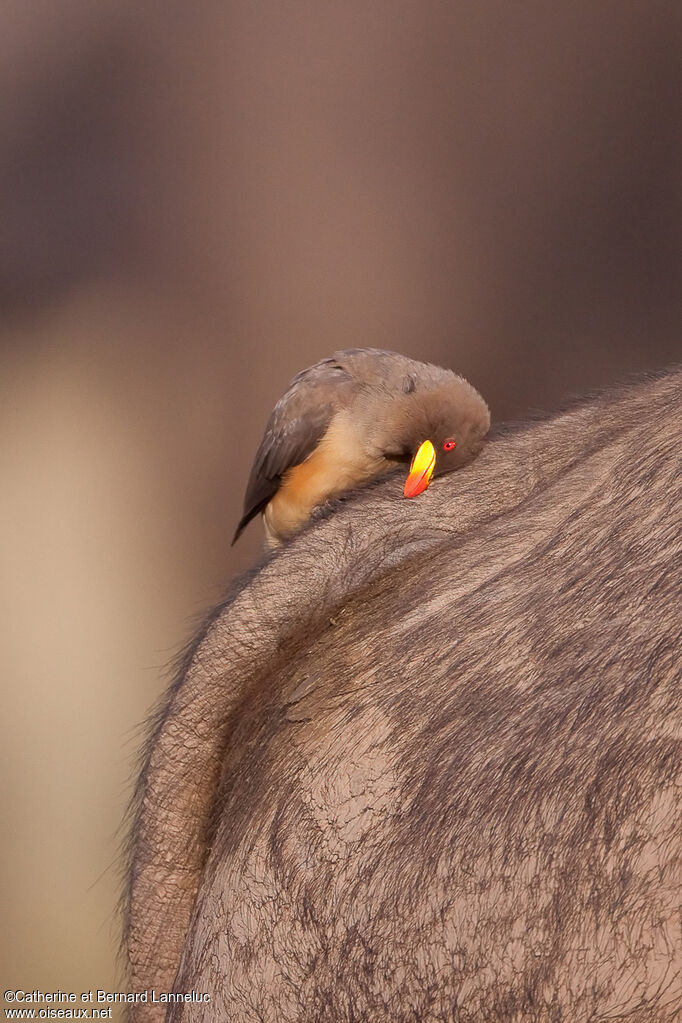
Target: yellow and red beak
420	470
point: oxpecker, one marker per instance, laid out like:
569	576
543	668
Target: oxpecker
352	418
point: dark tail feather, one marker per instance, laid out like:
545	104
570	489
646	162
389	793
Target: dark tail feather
240	529
246	518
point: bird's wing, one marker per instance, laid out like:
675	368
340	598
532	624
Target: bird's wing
298	422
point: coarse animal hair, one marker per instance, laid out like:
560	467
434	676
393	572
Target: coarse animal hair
425	762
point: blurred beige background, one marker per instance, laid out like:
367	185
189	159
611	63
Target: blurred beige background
196	201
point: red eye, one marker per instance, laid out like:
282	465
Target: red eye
448	445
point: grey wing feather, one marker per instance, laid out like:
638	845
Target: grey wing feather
298	422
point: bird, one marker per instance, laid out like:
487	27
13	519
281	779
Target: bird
353	418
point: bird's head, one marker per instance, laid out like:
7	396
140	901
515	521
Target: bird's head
437	430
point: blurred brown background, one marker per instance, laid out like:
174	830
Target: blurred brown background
198	200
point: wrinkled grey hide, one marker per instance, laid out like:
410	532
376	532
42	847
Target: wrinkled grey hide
425	764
